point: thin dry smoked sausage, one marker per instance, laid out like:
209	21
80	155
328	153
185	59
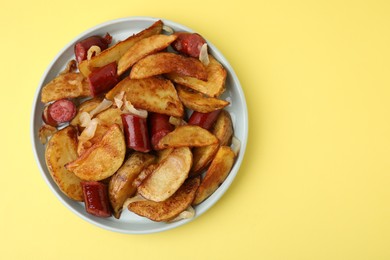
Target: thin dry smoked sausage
188	43
159	127
81	48
60	111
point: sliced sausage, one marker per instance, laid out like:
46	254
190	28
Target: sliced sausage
188	43
159	127
136	132
103	79
205	120
60	111
81	48
96	198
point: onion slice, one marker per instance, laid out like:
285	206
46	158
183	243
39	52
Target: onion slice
129	108
89	130
133	199
101	107
93	51
118	99
203	55
45	132
168	29
186	214
236	145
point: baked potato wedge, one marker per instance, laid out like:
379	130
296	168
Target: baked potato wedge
65	85
171	207
103	158
213	86
199	102
202	156
152	94
60	150
106	119
168	176
121	186
143	48
223	128
217	172
187	136
168	62
115	52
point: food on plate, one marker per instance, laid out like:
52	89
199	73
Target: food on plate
202	156
152	94
213	86
103	158
198	102
96	198
81	48
121	185
188	43
187	136
159	127
215	174
168	62
140	126
103	79
115	52
168	176
204	120
136	132
143	48
60	150
65	85
58	112
170	208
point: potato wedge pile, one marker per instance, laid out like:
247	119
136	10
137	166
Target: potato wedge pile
186	164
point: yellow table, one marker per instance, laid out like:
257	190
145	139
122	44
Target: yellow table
315	180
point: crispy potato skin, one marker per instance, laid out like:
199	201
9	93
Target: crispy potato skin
143	48
187	136
199	102
223	128
60	150
153	94
115	52
168	176
121	185
65	85
103	158
170	208
167	62
214	86
217	172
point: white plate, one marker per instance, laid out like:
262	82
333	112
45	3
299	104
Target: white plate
130	223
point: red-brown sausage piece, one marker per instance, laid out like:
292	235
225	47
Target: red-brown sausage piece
188	43
205	120
81	48
159	127
103	79
136	132
96	198
60	111
47	118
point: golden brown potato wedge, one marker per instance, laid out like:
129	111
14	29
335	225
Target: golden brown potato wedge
143	48
170	208
106	118
103	158
115	52
168	176
65	85
60	150
217	172
152	94
121	186
202	156
223	128
199	102
167	62
187	136
214	86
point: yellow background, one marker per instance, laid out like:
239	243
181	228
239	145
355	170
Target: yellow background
316	177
